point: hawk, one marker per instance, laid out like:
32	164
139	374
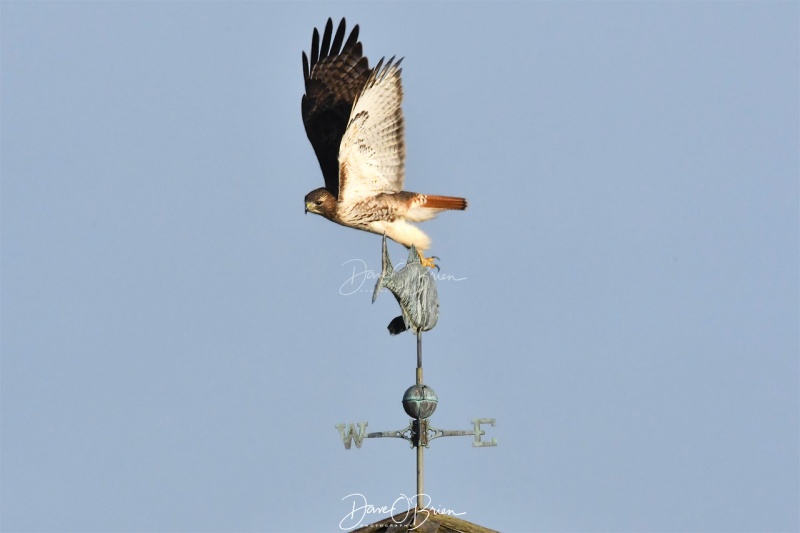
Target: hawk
353	118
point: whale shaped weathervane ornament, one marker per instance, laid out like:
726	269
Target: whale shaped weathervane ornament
415	291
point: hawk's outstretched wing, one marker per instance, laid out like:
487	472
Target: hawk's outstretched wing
373	152
333	78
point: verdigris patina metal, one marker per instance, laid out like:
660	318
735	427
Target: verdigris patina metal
414	289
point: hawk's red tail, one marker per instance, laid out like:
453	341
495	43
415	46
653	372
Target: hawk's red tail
445	202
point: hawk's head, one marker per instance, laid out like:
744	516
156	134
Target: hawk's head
321	202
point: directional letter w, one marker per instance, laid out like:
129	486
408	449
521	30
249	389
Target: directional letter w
352	434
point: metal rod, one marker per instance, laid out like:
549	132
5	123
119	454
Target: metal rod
420	447
420	467
419	352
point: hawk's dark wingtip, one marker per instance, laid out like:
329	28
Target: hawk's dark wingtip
335	72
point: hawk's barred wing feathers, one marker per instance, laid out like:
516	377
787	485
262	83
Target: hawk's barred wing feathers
372	153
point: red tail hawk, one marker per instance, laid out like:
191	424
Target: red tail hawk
354	121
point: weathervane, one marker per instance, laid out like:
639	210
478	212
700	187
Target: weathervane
415	291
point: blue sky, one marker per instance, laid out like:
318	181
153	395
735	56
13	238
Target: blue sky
179	340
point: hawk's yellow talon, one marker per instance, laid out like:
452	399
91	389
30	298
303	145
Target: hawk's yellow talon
427	261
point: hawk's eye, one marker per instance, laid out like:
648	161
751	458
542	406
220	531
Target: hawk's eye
318	202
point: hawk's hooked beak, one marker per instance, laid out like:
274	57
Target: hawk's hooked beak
306	208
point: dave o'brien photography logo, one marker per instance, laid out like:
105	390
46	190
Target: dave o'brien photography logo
359	275
361	509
